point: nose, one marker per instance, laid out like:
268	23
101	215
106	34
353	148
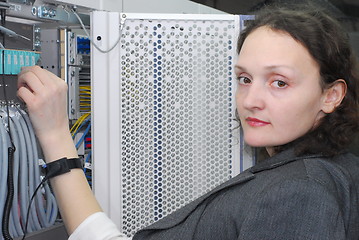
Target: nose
252	97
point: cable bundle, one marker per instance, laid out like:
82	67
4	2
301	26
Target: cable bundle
26	176
81	133
85	99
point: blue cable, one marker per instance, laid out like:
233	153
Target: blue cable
83	136
82	124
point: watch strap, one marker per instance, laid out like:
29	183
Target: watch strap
61	166
75	163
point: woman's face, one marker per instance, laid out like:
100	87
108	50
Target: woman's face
279	97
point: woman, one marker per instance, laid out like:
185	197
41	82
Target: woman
297	97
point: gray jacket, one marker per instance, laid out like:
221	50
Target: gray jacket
284	197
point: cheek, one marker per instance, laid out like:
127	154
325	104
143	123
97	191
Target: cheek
296	118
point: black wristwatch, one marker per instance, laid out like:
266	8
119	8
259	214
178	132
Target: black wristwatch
61	166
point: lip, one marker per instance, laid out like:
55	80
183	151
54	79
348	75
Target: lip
255	122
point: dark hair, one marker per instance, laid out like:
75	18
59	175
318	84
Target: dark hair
329	46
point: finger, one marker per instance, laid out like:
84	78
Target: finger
26	95
24	70
30	81
46	77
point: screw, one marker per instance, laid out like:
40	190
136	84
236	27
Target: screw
52	13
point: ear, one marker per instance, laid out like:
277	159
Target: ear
334	95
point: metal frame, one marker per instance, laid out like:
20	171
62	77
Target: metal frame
105	72
72	77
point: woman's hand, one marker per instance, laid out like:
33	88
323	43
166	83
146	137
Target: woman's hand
46	96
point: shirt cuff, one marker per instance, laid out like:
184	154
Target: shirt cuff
97	227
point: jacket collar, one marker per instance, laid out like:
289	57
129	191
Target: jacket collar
280	159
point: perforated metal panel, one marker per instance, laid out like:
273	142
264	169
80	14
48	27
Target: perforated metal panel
177	114
178	138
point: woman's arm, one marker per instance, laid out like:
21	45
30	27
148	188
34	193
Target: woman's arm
45	97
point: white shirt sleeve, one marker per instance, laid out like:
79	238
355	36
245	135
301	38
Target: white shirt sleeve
97	227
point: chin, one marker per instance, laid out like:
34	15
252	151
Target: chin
255	143
260	142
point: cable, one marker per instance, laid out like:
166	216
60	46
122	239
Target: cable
83	136
10	151
15	212
83	123
88	35
32	167
29	208
3	177
85	98
34	218
47	218
29	183
24	176
10	195
10	179
78	124
11	33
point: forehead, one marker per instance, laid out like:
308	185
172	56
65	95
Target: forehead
267	36
273	47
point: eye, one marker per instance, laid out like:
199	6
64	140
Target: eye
279	84
244	80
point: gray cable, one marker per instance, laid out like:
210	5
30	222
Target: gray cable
12	228
15	209
31	171
4	161
33	175
23	185
26	175
48	218
11	33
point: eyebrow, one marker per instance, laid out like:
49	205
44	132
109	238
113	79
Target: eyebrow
270	67
240	67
